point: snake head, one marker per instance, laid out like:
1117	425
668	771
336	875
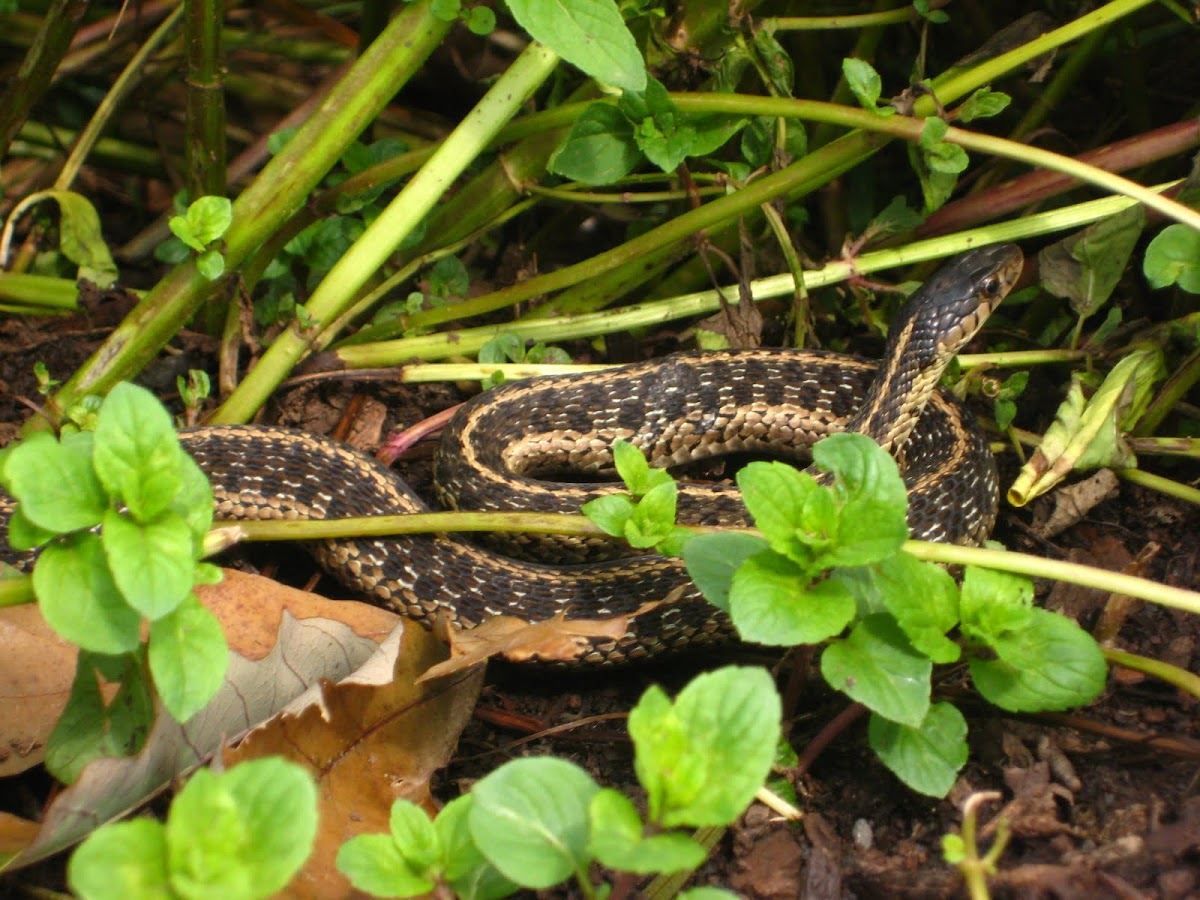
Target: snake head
951	307
932	326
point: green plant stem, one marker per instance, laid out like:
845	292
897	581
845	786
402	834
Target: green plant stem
992	69
1019	359
1166	446
39	291
831	23
566	523
403	214
469	340
910	129
811	171
58	24
205	111
274	196
1160	484
1173	675
109	152
133	72
1037	567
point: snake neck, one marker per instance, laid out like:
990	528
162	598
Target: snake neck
898	395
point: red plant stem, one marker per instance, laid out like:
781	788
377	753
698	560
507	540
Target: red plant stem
1020	192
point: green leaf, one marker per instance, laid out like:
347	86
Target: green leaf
24	535
771	602
79	600
211	264
182	229
448	277
983	104
414	833
1091	433
707	893
703	758
589	34
599	149
895	218
712	559
504	347
1173	257
791	510
529	818
927	757
954	851
374	864
55	483
466	869
188	658
243	833
90	727
872	522
151	563
924	600
617	840
81	239
865	84
194	500
776	61
878	667
121	860
1086	267
137	455
610	512
653	518
994	604
1051	665
480	20
209	218
635	471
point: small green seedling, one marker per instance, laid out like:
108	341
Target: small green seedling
201	226
238	835
534	823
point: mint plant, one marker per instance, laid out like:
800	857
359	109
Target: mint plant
508	347
1173	257
534	823
829	569
240	834
606	143
119	515
202	224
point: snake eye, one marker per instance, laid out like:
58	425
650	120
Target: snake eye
991	286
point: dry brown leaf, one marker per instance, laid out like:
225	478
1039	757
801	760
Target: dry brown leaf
36	671
291	654
557	639
369	740
37	667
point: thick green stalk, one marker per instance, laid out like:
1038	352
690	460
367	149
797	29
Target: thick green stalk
205	99
280	190
36	73
809	172
339	288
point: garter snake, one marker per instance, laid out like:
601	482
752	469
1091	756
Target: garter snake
504	443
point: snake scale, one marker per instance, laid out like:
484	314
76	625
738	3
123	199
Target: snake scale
502	446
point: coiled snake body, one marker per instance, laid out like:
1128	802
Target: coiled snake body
675	409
